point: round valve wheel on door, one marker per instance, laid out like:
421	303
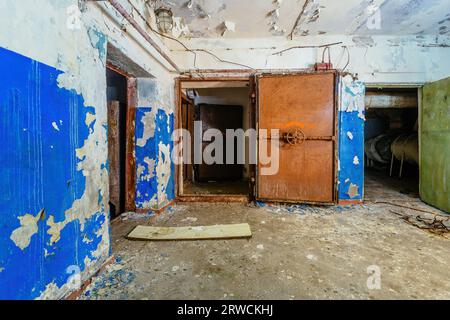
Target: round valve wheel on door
295	137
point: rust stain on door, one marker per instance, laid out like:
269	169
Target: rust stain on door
303	108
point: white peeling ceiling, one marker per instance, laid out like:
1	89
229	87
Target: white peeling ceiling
265	18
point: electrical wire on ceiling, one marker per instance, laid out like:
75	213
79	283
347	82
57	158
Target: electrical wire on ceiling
193	51
348	58
308	47
327	48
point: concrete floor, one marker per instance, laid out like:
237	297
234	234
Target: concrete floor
216	188
296	252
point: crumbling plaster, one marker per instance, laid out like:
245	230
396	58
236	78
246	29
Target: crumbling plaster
53	33
154	127
351	115
375	59
407	44
74	47
204	18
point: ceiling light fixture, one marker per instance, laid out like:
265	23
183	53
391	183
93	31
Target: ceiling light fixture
164	19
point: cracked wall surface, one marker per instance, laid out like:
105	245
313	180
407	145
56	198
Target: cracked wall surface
374	59
53	184
55	230
351	139
203	18
54	187
154	127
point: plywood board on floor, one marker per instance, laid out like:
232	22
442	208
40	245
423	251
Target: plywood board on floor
232	231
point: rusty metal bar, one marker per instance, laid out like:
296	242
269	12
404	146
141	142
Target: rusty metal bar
307	138
321	138
297	21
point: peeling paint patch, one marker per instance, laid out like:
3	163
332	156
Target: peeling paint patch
353	191
155	170
350	135
363	41
64	171
227	26
28	228
180	29
98	41
148	124
164	173
55	126
310	13
351	138
90	118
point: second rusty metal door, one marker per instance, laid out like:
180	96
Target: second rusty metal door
302	107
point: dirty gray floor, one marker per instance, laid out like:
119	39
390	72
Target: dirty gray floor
296	252
215	188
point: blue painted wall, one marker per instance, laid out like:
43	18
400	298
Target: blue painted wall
154	191
38	170
351	140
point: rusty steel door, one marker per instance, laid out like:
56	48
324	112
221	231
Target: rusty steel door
302	107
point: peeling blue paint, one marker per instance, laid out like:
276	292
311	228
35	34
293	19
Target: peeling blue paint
38	166
146	190
351	141
98	41
147	181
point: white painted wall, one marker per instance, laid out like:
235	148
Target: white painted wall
376	59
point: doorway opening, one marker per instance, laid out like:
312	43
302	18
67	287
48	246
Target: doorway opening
117	98
217	105
392	144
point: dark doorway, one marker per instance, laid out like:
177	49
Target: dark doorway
221	106
117	137
391	144
222	118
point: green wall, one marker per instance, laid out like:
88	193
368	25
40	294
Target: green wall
435	145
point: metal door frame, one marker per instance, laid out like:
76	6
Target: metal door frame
130	161
205	76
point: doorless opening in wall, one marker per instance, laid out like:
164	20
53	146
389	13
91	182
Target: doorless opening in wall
215	106
391	143
117	137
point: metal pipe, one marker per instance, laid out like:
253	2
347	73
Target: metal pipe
291	34
406	148
144	34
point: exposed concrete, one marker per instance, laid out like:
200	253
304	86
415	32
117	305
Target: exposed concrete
257	18
296	252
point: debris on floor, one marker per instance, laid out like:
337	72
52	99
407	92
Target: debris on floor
136	216
289	256
231	231
116	278
435	224
300	209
